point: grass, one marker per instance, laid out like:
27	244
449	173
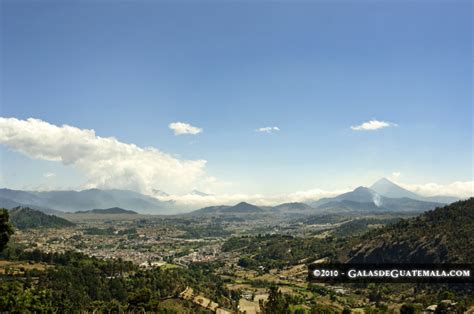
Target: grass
17	266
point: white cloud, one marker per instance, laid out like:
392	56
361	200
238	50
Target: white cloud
396	174
49	175
180	128
105	161
268	129
373	125
461	189
311	195
193	200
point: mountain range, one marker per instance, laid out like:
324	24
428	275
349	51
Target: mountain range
71	201
383	195
361	199
366	199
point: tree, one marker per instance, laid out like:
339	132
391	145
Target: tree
442	308
276	304
346	310
6	229
407	309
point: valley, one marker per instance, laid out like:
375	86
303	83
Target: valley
258	255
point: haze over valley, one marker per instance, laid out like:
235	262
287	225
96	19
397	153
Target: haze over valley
383	195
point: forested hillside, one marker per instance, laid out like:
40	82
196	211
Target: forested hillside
441	235
24	218
72	282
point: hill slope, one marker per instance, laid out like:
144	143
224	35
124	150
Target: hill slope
24	218
240	208
292	207
438	236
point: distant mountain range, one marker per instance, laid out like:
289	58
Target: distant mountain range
109	211
365	199
26	218
71	201
383	195
10	204
362	199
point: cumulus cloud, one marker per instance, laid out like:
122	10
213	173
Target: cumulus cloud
49	175
105	161
373	125
461	189
180	128
268	129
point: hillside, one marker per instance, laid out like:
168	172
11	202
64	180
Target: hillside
25	218
440	235
349	206
292	207
240	208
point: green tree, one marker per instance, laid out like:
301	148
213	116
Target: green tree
6	229
276	304
346	310
442	308
407	309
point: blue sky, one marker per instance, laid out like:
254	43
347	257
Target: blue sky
313	69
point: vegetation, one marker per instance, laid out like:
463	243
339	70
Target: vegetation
278	251
360	226
6	229
75	282
438	236
276	303
72	282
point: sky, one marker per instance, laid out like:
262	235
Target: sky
236	98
